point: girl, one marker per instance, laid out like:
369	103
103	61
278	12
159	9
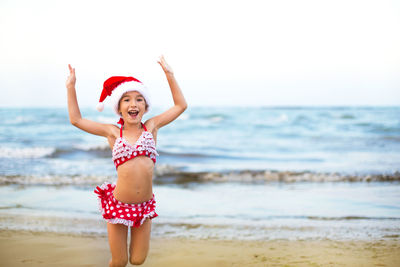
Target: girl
130	202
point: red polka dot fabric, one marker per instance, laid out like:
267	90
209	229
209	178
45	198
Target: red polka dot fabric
117	212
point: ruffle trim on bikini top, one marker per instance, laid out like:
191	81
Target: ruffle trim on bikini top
124	151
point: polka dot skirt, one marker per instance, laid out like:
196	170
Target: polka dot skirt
117	212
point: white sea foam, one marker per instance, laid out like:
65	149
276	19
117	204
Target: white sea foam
216	119
274	121
84	180
29	152
19	119
220	211
88	147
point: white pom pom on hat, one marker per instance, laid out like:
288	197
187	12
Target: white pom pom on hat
116	86
100	106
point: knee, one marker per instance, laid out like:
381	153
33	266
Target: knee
134	260
118	262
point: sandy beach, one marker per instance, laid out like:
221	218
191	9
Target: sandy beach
23	248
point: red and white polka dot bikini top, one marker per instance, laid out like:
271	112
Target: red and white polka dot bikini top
144	146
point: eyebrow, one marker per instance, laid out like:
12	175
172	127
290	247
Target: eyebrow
130	96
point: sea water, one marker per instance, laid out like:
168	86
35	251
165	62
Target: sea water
48	170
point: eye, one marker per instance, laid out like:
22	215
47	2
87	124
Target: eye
140	99
126	99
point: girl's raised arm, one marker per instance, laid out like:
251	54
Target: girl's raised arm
75	117
179	100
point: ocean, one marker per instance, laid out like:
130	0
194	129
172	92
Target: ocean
223	172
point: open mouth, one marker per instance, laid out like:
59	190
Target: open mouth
133	113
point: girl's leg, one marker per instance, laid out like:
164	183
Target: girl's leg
140	242
117	239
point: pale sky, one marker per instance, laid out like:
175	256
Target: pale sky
235	53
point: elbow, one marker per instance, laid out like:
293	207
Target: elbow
183	106
74	121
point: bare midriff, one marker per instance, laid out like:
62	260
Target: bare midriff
135	180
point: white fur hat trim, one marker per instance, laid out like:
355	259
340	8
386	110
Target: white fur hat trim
119	91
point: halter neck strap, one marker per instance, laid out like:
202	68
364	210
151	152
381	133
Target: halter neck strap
121	121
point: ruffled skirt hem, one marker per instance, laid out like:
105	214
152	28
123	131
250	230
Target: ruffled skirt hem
117	212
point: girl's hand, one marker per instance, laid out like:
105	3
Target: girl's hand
70	83
164	65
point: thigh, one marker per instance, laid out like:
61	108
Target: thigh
140	240
117	239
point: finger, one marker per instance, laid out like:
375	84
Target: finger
71	70
160	61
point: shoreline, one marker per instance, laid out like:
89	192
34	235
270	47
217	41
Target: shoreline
28	248
273	229
168	175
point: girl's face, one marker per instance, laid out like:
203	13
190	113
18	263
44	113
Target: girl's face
132	107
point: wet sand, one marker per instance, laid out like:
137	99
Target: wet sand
23	248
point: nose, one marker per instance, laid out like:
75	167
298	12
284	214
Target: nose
133	103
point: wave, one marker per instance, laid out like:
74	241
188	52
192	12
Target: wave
350	218
91	147
207	118
97	150
28	152
56	180
295	217
77	225
53	152
102	151
251	176
185	155
16	206
18	120
216	118
166	174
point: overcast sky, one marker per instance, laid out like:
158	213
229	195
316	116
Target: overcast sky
234	53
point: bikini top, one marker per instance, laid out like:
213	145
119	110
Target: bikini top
144	146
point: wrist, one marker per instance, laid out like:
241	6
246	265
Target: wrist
169	73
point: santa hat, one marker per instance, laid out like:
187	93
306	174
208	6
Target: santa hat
116	86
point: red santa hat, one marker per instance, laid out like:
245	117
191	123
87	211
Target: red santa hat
116	86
